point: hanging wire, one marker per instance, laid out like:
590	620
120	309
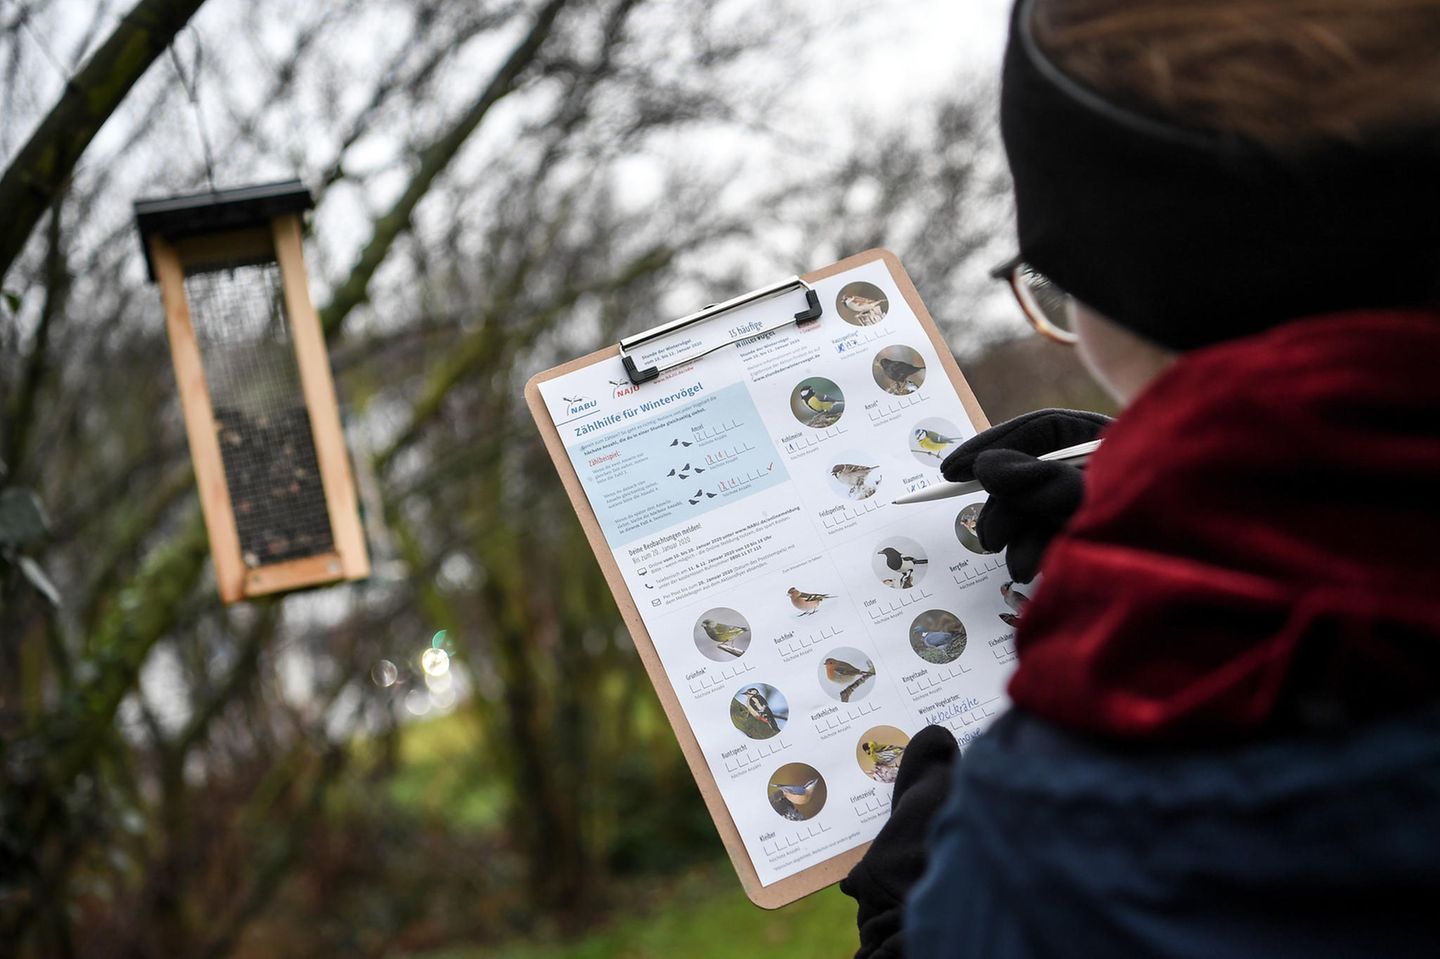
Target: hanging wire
191	85
23	21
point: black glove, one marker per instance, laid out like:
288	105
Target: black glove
882	879
1029	499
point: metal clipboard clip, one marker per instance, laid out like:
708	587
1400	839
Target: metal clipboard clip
631	343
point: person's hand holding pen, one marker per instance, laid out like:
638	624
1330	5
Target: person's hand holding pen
1030	499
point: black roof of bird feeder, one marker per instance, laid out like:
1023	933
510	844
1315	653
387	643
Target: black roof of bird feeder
255	386
217	211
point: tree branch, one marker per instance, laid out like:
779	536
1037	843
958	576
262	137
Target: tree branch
433	161
480	348
392	80
280	856
125	638
57	288
46	161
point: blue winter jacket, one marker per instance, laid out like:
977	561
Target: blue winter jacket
1308	845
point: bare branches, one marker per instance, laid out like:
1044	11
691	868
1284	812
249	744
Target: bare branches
123	642
394	79
433	160
43	165
276	859
482	347
21	415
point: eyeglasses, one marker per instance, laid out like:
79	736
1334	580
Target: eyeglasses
1046	305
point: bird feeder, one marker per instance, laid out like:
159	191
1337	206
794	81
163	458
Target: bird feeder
255	386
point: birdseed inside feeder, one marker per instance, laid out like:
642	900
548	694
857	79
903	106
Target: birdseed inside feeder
254	379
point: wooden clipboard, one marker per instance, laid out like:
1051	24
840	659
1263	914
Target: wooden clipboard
832	870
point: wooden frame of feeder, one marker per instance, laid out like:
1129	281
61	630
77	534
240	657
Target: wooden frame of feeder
254	224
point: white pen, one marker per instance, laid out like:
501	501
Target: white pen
1072	455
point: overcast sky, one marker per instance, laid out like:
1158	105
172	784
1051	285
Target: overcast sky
898	49
881	60
881	54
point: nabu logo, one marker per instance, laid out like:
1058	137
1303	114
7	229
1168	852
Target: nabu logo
575	405
623	388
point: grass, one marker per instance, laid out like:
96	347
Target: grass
705	916
438	778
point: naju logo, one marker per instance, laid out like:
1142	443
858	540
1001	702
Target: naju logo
576	405
623	388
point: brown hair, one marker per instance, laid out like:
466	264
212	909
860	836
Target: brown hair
1286	73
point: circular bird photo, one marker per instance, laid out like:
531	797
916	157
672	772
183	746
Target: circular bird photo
1016	600
898	369
759	710
796	791
807	603
855	476
899	562
817	402
931	440
937	636
846	674
879	752
862	304
965	530
722	634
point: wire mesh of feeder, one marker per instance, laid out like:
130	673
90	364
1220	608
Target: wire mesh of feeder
263	427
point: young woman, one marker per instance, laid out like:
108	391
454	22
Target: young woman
1225	738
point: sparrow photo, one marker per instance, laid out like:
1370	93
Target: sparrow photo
862	304
856	476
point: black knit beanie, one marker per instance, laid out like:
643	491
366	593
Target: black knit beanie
1190	237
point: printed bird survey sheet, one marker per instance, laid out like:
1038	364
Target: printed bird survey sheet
808	626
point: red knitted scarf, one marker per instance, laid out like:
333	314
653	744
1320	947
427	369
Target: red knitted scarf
1259	543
